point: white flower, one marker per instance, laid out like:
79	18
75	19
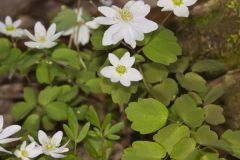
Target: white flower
51	146
121	70
42	38
7	132
28	151
10	28
81	32
179	7
128	24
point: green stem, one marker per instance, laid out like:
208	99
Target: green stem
75	148
80	58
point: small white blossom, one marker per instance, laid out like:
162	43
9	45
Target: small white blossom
28	151
128	24
7	132
179	7
81	32
43	38
121	70
10	28
51	146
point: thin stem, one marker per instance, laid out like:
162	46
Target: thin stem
70	40
166	18
75	148
80	57
93	4
144	79
14	42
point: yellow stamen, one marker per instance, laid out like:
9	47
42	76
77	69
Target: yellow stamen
121	69
10	28
24	153
125	14
42	39
177	2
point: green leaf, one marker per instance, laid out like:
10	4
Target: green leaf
208	65
196	97
57	111
120	94
204	136
48	124
72	122
94	85
154	72
96	40
217	111
163	47
68	132
20	110
45	73
192	82
144	150
92	117
72	157
180	66
65	19
166	91
67	57
32	123
171	135
213	95
233	140
30	95
114	129
186	109
49	94
67	93
5	48
83	133
183	149
154	112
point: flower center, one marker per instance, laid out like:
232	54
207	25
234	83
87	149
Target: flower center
121	69
49	147
24	153
42	39
125	14
177	2
10	28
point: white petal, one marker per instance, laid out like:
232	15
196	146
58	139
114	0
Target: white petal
107	11
68	32
55	37
189	2
115	77
23	146
139	9
8	140
40	30
113	59
4	150
83	35
107	71
10	130
127	60
17	153
42	137
1	122
17	23
56	155
92	24
48	44
8	21
124	81
181	11
129	4
129	36
30	35
105	20
134	75
149	26
2	25
57	138
51	30
110	33
166	3
31	44
34	153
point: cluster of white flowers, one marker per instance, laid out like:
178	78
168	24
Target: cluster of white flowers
47	146
128	23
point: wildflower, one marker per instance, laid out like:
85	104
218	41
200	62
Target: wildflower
121	70
81	32
51	146
10	28
42	38
28	151
7	132
128	24
179	7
